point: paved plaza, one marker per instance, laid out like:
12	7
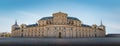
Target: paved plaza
60	41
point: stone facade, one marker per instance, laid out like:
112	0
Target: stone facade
58	26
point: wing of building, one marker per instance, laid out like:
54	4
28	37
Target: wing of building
60	25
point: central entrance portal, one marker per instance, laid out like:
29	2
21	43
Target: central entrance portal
59	34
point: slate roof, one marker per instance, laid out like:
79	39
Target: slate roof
46	18
73	18
17	28
32	25
84	25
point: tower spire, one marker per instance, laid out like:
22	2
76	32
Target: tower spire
102	23
16	22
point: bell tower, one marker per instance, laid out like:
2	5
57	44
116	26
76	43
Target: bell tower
15	26
102	26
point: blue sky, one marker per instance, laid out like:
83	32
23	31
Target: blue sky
88	11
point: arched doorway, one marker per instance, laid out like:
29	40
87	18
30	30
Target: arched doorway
22	33
59	34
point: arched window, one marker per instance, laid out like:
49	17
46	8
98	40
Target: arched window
59	34
64	28
55	28
21	33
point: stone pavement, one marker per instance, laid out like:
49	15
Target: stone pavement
109	41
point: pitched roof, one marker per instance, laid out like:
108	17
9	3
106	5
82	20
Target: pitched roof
46	18
32	25
84	25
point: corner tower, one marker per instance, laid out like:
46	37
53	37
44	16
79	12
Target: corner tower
15	26
102	26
